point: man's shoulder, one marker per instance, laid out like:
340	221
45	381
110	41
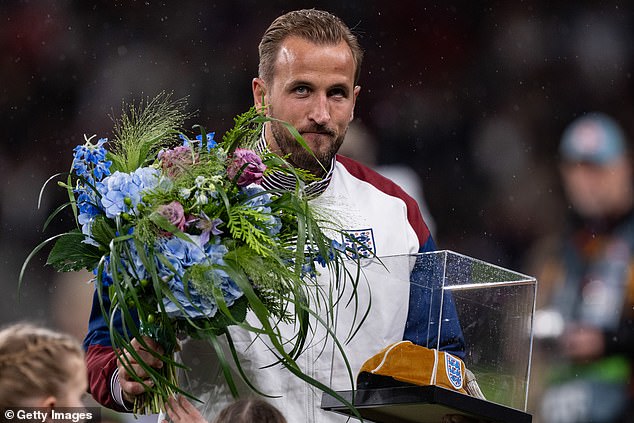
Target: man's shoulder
366	174
386	186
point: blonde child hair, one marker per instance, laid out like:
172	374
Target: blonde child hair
248	410
35	362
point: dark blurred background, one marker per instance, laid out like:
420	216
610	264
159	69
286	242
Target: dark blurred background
471	95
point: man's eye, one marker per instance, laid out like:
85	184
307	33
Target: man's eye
338	92
301	90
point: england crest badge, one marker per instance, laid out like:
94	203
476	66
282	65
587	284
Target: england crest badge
453	368
359	243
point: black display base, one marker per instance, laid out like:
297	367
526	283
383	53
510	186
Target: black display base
420	404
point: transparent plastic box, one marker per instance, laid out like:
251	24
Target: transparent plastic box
493	306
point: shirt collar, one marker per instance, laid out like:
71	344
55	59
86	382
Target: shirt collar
283	181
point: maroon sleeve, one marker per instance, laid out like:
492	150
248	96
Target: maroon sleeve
101	362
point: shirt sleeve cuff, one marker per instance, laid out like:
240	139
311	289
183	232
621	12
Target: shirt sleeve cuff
116	391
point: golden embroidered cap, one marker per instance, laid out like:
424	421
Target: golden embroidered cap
412	364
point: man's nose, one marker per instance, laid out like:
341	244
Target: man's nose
320	110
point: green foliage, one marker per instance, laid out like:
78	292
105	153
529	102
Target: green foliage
219	325
147	229
70	254
246	131
203	278
142	130
248	225
266	272
102	231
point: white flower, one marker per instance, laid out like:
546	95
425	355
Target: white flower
201	198
199	181
185	193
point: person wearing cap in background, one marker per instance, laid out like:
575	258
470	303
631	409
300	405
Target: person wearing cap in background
584	331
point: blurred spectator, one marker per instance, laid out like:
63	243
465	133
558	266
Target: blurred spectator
40	368
584	327
245	410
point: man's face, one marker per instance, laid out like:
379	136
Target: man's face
597	191
312	88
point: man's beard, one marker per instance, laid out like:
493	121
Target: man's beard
317	162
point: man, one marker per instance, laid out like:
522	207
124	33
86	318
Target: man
591	279
308	73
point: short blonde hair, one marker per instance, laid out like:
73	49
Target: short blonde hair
316	26
34	362
248	410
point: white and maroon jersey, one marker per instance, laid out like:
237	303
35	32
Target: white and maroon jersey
384	221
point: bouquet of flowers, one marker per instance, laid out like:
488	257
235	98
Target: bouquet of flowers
183	240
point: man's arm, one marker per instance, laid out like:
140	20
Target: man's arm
108	380
425	301
101	359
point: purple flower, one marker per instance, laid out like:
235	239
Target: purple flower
207	226
176	161
174	213
248	165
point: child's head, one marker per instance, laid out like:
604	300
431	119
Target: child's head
250	410
40	368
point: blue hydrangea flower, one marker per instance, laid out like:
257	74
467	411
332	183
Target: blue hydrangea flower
182	254
230	290
119	186
259	200
194	304
130	263
215	253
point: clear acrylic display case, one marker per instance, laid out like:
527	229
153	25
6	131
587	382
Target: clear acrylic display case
493	307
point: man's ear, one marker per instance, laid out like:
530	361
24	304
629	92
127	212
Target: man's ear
355	94
259	93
